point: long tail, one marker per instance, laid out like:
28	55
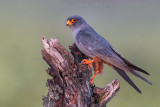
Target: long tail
139	76
132	66
125	77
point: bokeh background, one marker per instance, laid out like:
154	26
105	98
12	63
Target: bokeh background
131	26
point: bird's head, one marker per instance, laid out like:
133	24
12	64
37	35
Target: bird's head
75	21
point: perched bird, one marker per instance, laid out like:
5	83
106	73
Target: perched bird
100	51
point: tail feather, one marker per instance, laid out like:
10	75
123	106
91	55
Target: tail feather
125	77
141	77
132	66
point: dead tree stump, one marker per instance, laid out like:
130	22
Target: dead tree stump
70	85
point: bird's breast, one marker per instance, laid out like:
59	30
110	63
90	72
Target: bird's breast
81	42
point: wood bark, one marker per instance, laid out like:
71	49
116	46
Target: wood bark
70	82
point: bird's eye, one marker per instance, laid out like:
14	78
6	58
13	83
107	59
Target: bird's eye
73	20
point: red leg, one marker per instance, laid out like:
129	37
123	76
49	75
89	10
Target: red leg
93	78
97	65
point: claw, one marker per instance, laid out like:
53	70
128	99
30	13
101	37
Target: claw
88	62
92	86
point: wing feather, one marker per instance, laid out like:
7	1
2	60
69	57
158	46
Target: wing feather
96	45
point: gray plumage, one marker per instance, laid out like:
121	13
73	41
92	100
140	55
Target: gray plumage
93	45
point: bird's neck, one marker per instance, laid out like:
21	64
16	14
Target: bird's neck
75	32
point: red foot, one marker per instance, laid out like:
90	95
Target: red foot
86	61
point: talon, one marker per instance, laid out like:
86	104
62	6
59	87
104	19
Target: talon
88	62
92	86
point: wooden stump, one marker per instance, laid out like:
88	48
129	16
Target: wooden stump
70	85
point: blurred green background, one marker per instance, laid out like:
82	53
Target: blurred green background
131	26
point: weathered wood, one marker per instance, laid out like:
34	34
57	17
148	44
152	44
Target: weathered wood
70	85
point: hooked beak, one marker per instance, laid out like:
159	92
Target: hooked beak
69	23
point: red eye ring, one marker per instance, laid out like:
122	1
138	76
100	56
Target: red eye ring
73	20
